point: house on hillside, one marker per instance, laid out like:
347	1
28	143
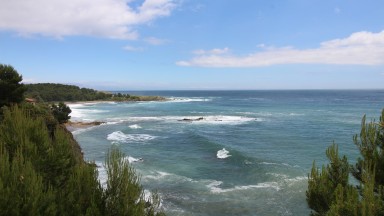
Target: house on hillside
30	100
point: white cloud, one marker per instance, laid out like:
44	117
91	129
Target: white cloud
133	49
155	41
101	18
361	48
211	52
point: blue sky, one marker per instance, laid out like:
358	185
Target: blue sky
196	44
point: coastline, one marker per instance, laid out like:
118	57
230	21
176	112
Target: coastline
90	102
155	98
77	125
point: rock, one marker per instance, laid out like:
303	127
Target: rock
189	120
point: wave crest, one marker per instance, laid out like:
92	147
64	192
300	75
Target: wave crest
119	136
135	126
214	187
185	100
223	153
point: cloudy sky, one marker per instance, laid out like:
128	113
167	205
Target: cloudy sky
196	44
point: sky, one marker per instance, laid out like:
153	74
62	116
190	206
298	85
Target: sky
196	44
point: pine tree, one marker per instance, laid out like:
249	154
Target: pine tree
43	174
123	194
11	88
61	112
330	192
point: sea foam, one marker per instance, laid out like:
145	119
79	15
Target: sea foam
223	153
131	159
79	113
102	174
210	119
194	99
135	126
119	136
214	187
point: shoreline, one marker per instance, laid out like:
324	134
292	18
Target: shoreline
112	101
90	102
77	125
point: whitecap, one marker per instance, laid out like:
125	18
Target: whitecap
102	174
184	99
82	130
296	179
269	163
218	119
110	123
214	187
82	113
148	196
168	177
212	119
131	159
135	126
278	175
279	164
296	114
119	136
222	154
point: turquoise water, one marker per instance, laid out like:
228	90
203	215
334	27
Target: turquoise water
249	155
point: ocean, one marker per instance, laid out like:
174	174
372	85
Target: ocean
228	152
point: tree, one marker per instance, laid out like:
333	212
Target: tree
44	175
12	91
330	192
61	112
123	193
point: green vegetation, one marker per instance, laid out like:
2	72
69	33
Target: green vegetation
44	174
330	191
11	90
49	92
127	97
61	112
42	170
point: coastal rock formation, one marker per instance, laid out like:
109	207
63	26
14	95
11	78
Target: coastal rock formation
190	120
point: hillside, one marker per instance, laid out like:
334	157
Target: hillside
59	92
52	92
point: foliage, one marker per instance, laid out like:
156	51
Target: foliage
124	194
127	97
61	112
49	92
44	174
371	146
329	190
12	91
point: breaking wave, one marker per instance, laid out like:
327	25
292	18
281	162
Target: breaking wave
223	153
135	126
214	187
184	100
119	136
211	119
131	159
